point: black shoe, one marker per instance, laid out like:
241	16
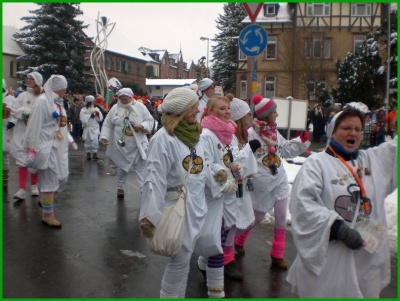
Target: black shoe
95	157
232	272
88	156
203	272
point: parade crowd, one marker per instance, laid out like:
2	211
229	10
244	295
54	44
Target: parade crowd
228	167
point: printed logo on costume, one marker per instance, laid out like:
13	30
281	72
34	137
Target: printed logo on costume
227	160
197	164
346	205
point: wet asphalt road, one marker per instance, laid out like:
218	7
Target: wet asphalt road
99	252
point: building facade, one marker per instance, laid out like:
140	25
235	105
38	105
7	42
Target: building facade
304	42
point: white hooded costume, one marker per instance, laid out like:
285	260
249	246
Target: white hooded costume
47	135
325	190
91	126
20	113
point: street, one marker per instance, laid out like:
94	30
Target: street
99	252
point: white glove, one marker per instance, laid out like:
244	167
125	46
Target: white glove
230	187
74	145
221	176
239	167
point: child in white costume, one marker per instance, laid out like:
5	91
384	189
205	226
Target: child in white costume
19	116
170	153
90	117
271	187
47	141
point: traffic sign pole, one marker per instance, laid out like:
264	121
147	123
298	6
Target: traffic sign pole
252	41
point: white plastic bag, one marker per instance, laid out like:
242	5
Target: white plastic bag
168	237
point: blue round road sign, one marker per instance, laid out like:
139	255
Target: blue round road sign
252	40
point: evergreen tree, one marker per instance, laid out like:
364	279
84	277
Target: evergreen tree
360	75
225	59
54	43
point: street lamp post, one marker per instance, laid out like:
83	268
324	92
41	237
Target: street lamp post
208	47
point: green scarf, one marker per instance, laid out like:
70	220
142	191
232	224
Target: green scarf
187	133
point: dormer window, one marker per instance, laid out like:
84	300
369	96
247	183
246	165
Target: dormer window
271	9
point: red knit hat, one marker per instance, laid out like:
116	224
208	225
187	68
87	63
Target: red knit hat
263	106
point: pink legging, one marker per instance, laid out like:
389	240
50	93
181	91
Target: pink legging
23	177
280	210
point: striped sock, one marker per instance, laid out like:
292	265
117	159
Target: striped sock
47	201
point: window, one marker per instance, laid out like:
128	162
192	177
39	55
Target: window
359	39
270	10
243	89
242	56
108	62
361	9
11	68
317	47
311	90
138	69
272	48
119	65
318	9
270	86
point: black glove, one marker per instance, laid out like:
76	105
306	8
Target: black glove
254	144
92	115
351	238
10	125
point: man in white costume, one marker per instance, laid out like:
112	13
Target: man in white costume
46	141
336	195
124	132
91	117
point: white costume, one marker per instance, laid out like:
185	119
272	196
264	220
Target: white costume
202	104
8	100
165	172
91	127
269	188
329	269
118	126
48	136
23	104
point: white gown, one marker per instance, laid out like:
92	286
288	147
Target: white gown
269	188
112	130
165	171
322	188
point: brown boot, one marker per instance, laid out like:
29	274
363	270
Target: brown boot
95	156
120	193
279	263
51	221
5	178
240	250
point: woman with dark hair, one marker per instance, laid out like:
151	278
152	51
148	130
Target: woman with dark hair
338	216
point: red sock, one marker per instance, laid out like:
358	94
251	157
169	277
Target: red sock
241	239
229	255
22	176
34	178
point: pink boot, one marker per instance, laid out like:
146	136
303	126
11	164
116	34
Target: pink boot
278	245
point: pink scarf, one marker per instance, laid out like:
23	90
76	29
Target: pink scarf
267	130
222	129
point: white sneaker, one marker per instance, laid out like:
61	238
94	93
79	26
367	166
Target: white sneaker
34	190
21	195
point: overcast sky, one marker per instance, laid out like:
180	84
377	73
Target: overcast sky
170	26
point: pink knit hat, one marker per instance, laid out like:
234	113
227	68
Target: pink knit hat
263	106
